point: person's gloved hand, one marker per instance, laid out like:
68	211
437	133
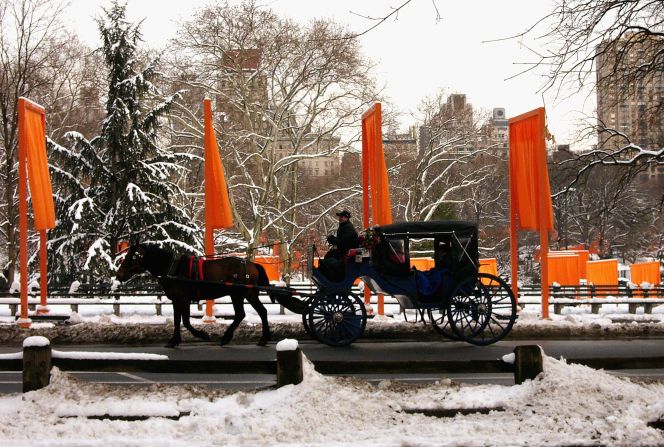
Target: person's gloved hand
331	240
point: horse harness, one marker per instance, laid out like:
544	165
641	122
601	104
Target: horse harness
195	270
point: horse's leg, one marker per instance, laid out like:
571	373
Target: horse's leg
186	311
238	308
175	340
255	302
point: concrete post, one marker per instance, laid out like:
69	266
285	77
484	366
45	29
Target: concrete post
289	363
527	363
36	363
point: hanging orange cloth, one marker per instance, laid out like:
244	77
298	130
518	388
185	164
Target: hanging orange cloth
645	272
529	172
374	169
564	269
218	212
584	255
530	192
32	137
603	273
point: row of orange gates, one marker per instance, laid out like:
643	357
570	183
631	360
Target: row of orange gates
566	268
570	267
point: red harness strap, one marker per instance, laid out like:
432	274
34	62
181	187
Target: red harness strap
192	272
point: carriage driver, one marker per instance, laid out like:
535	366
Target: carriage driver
345	239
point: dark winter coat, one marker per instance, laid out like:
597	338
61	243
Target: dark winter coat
346	238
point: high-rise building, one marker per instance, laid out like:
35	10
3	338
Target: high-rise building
452	125
495	133
629	110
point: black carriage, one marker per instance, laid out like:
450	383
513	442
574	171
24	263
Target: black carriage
459	302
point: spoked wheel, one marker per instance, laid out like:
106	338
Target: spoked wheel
441	323
305	321
482	309
336	317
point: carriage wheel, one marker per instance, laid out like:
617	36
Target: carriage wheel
305	320
482	309
441	323
336	317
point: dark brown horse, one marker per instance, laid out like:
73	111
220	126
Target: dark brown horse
175	275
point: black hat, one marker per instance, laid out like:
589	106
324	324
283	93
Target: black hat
344	213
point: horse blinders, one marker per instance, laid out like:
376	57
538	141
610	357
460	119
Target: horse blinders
132	264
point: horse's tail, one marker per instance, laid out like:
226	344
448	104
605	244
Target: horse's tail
284	298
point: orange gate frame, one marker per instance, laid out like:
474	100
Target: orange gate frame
218	212
530	192
374	173
33	167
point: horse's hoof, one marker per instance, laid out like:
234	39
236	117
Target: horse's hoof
172	344
261	342
204	336
224	342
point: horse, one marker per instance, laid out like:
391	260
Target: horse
179	276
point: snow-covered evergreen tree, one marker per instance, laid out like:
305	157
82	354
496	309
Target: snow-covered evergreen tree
119	185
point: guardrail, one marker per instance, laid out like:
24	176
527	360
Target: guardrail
152	295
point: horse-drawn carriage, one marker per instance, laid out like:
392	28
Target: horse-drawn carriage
460	303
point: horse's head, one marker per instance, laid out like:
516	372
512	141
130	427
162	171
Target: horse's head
132	263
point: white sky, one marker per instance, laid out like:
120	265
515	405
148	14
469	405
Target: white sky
416	54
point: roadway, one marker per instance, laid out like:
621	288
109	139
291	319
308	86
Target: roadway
406	361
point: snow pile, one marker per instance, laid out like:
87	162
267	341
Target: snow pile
36	341
567	405
287	344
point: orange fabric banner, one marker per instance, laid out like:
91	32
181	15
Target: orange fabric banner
32	138
529	172
272	266
564	269
376	179
584	255
645	272
603	273
218	213
488	265
422	264
530	191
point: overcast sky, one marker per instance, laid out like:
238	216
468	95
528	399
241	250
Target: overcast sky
417	54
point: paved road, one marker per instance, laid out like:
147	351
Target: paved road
629	354
405	351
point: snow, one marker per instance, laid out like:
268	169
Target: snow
73	288
34	285
89	355
287	344
115	284
36	341
509	358
566	405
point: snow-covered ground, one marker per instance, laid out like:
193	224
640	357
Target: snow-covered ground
565	405
139	324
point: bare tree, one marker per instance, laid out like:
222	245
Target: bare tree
435	183
284	94
33	47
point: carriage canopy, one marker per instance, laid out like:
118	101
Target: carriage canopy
455	244
432	229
